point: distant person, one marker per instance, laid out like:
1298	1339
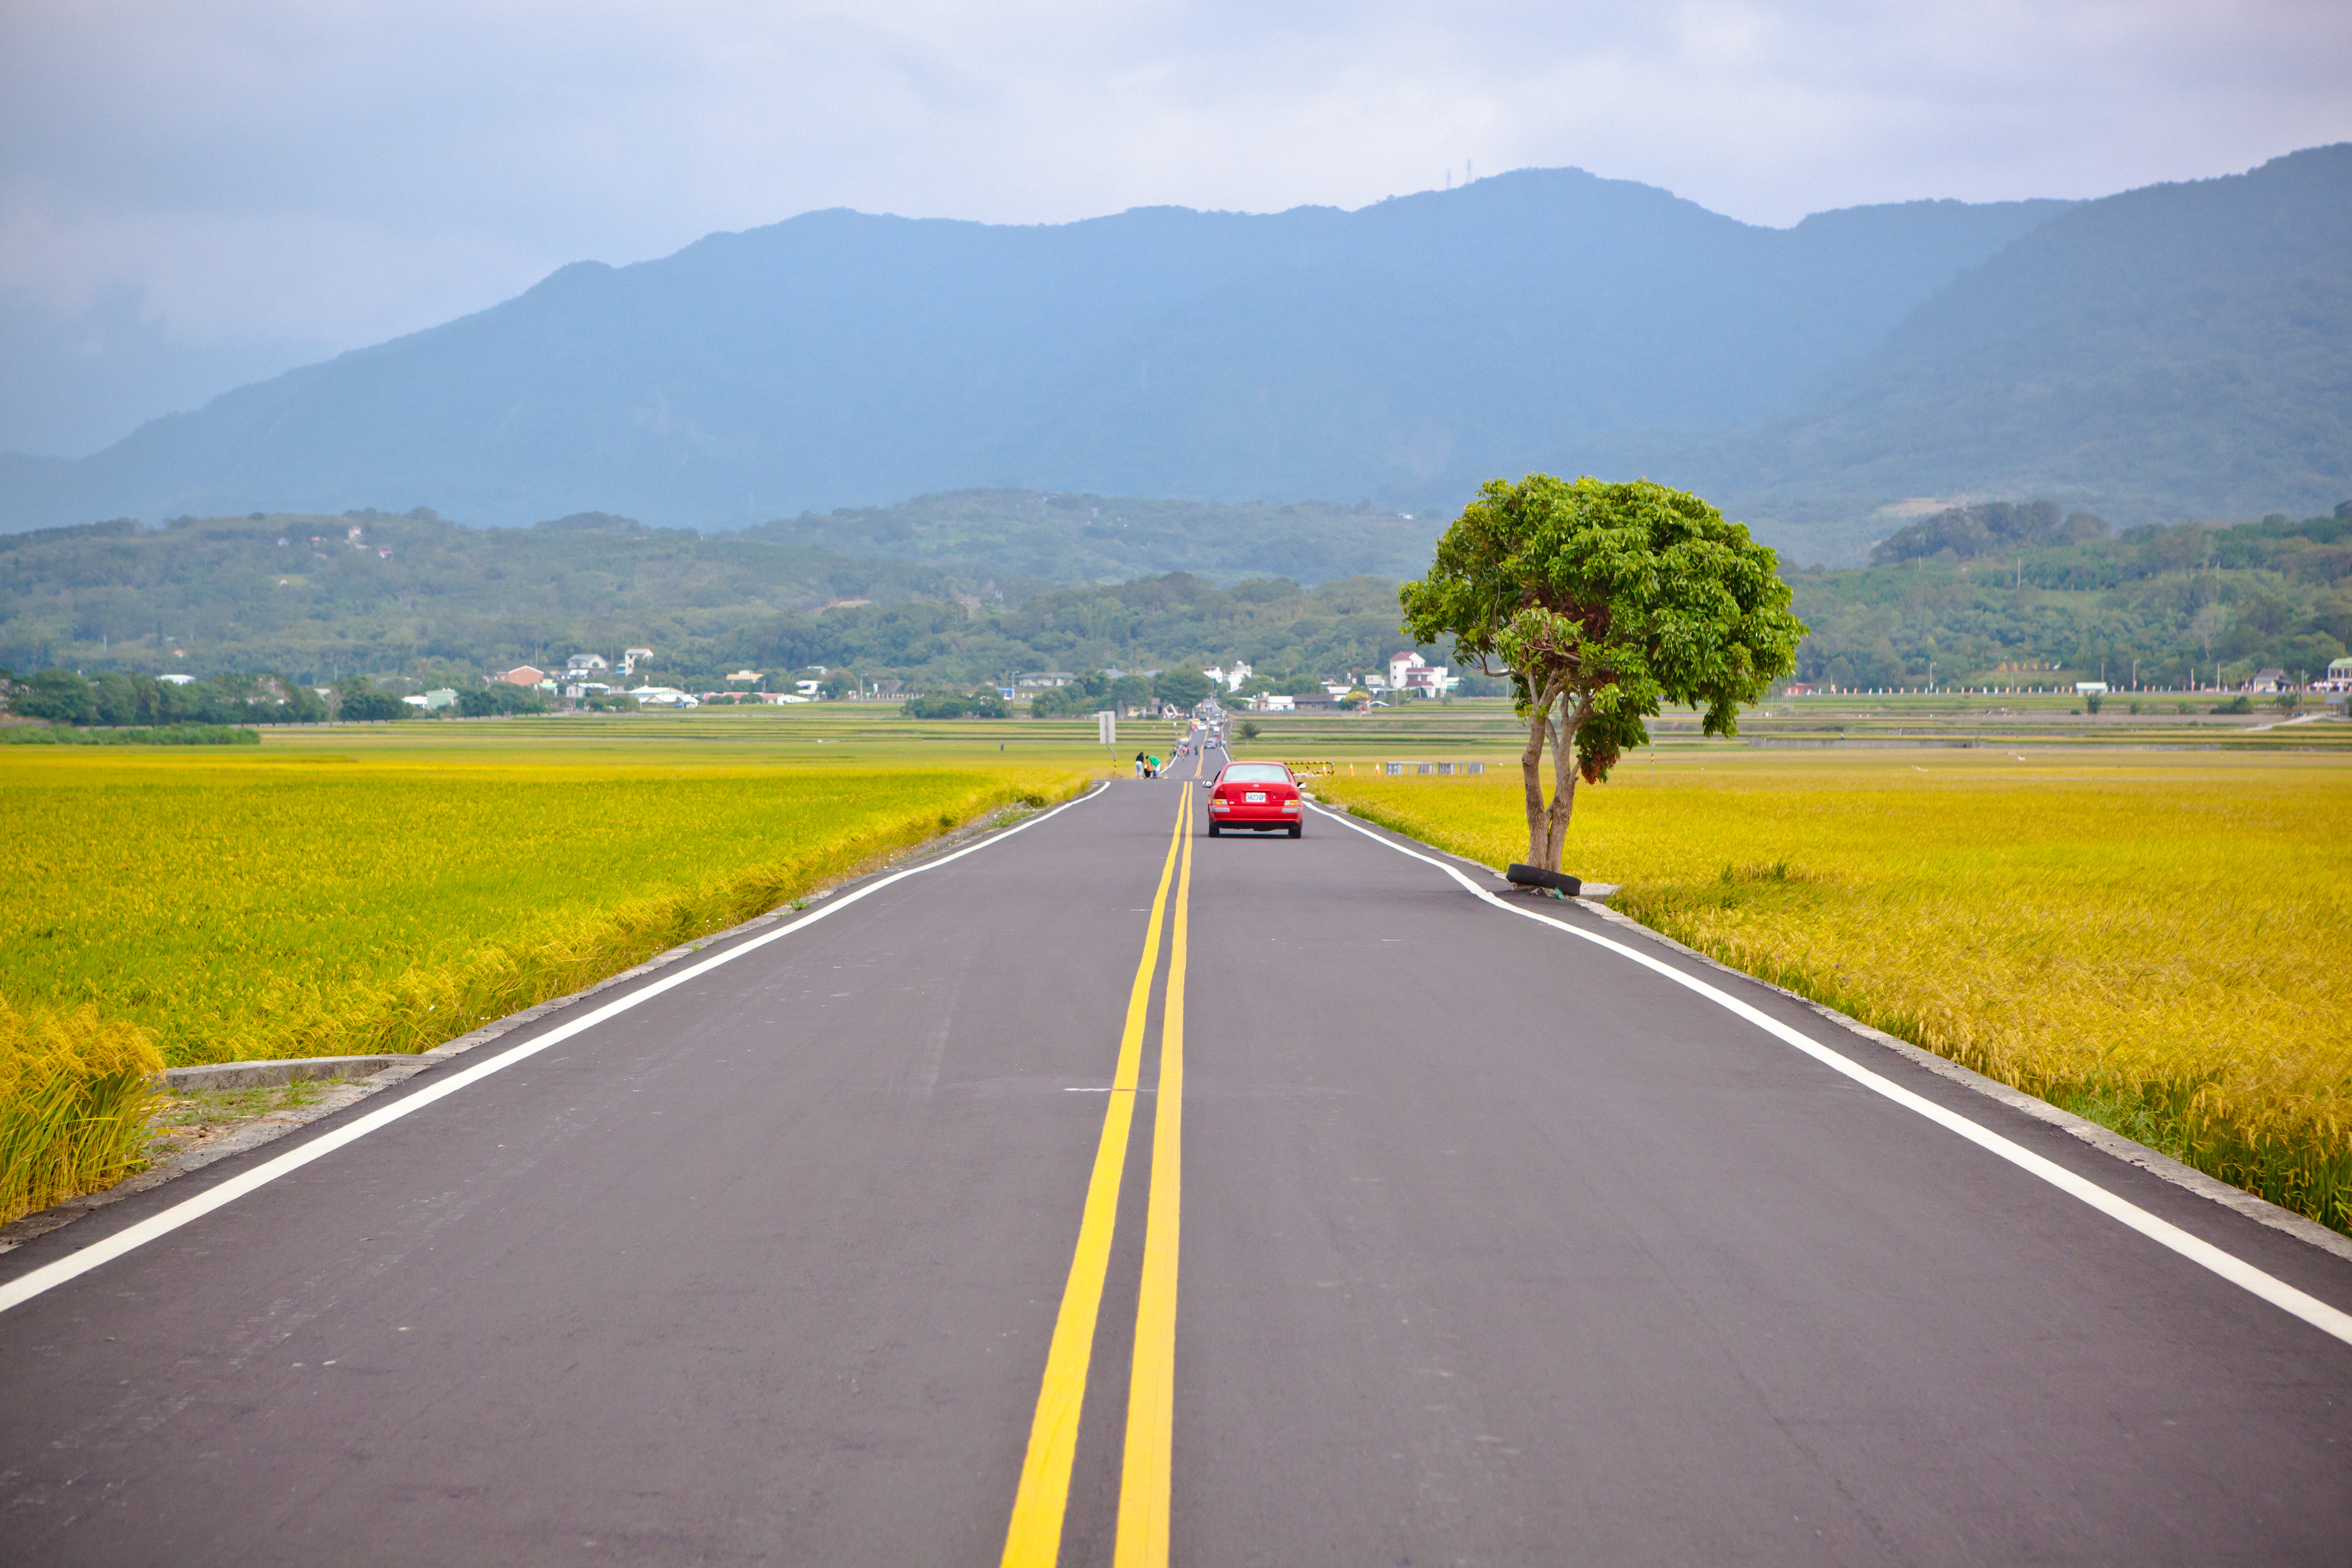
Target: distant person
1151	768
1139	764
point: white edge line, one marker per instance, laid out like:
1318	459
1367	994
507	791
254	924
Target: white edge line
49	1276
2328	1320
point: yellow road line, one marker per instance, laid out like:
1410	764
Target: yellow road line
1033	1539
1143	1489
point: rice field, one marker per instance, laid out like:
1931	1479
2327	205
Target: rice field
2154	940
171	909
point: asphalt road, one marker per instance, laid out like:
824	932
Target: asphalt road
1495	1246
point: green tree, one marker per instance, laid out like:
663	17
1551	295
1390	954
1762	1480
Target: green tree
360	700
1601	602
125	698
984	704
1185	688
57	694
498	697
1088	692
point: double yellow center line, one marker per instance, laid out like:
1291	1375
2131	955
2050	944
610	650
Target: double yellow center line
1033	1539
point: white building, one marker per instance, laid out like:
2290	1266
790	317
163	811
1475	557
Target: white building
1231	679
664	697
1415	676
585	664
629	657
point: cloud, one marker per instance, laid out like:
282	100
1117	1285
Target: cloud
319	174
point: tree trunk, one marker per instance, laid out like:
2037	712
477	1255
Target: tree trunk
1563	789
1547	822
1531	775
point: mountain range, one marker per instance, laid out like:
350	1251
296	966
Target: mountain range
2180	351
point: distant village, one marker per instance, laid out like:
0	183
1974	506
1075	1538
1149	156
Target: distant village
593	680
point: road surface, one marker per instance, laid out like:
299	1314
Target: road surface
1466	1240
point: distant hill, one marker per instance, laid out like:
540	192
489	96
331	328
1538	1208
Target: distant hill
303	594
1072	537
1971	590
2180	352
1398	353
417	597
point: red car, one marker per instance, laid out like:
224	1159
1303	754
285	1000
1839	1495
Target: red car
1256	797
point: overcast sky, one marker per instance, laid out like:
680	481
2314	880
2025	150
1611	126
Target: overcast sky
197	191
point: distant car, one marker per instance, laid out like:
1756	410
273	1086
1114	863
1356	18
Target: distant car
1256	797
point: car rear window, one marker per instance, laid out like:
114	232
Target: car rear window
1257	773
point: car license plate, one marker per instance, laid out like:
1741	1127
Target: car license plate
1256	797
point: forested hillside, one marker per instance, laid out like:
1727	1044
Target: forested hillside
1974	588
1068	538
319	597
418	599
2180	351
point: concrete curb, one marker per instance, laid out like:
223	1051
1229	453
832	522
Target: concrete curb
212	1075
2108	1142
351	1086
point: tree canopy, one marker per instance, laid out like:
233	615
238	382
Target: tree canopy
1185	688
1601	602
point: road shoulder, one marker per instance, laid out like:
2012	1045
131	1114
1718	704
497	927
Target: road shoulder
2107	1140
183	1151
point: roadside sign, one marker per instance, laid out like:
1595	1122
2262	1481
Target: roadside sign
1107	726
